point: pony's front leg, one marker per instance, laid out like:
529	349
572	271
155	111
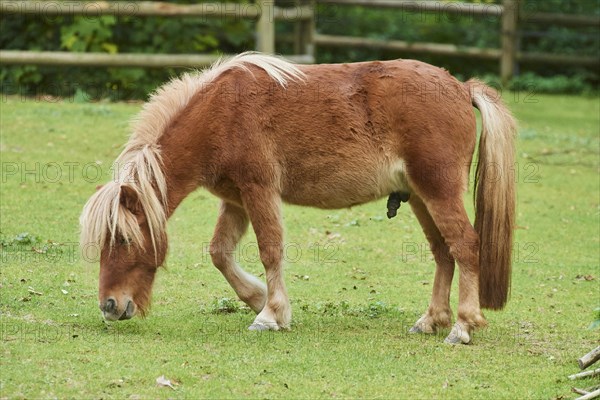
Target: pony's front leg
231	226
263	206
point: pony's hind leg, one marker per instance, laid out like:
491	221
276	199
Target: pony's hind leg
231	226
264	209
439	314
451	219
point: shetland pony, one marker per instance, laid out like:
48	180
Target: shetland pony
257	131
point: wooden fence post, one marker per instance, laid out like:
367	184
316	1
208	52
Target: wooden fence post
298	45
310	29
510	17
265	27
304	29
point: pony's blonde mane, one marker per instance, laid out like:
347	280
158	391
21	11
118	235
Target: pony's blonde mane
139	166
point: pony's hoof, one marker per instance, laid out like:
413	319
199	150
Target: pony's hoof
422	326
458	336
415	329
260	327
419	329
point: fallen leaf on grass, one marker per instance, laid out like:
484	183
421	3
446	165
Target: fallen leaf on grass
117	383
33	291
162	381
334	236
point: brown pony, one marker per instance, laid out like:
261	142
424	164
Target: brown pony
257	131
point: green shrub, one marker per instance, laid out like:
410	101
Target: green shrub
225	305
576	84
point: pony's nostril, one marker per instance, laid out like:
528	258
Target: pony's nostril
129	311
130	308
110	306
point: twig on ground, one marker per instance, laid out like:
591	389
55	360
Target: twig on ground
589	396
585	374
590	358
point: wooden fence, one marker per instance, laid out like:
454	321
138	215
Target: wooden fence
511	19
263	12
306	37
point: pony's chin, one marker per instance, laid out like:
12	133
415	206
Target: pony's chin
125	317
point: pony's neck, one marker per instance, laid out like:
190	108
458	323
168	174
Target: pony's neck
181	171
178	189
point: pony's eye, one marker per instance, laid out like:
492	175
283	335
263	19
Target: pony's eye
124	241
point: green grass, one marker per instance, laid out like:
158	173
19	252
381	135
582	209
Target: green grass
357	281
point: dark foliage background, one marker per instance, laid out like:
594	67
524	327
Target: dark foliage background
133	34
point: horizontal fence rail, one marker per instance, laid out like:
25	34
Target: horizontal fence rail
120	60
472	9
153	9
123	8
429	6
415	47
562	19
558	59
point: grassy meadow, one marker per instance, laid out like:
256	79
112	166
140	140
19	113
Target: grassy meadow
357	281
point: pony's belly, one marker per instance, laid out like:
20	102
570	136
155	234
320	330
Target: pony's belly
346	188
329	199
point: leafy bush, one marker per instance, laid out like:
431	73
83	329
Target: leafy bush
576	84
225	305
24	238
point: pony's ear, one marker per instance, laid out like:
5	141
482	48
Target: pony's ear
130	200
99	187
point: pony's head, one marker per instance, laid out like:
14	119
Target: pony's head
126	220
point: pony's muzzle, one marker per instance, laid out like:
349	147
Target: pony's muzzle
112	312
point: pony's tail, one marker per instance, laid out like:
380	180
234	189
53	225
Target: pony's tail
494	195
